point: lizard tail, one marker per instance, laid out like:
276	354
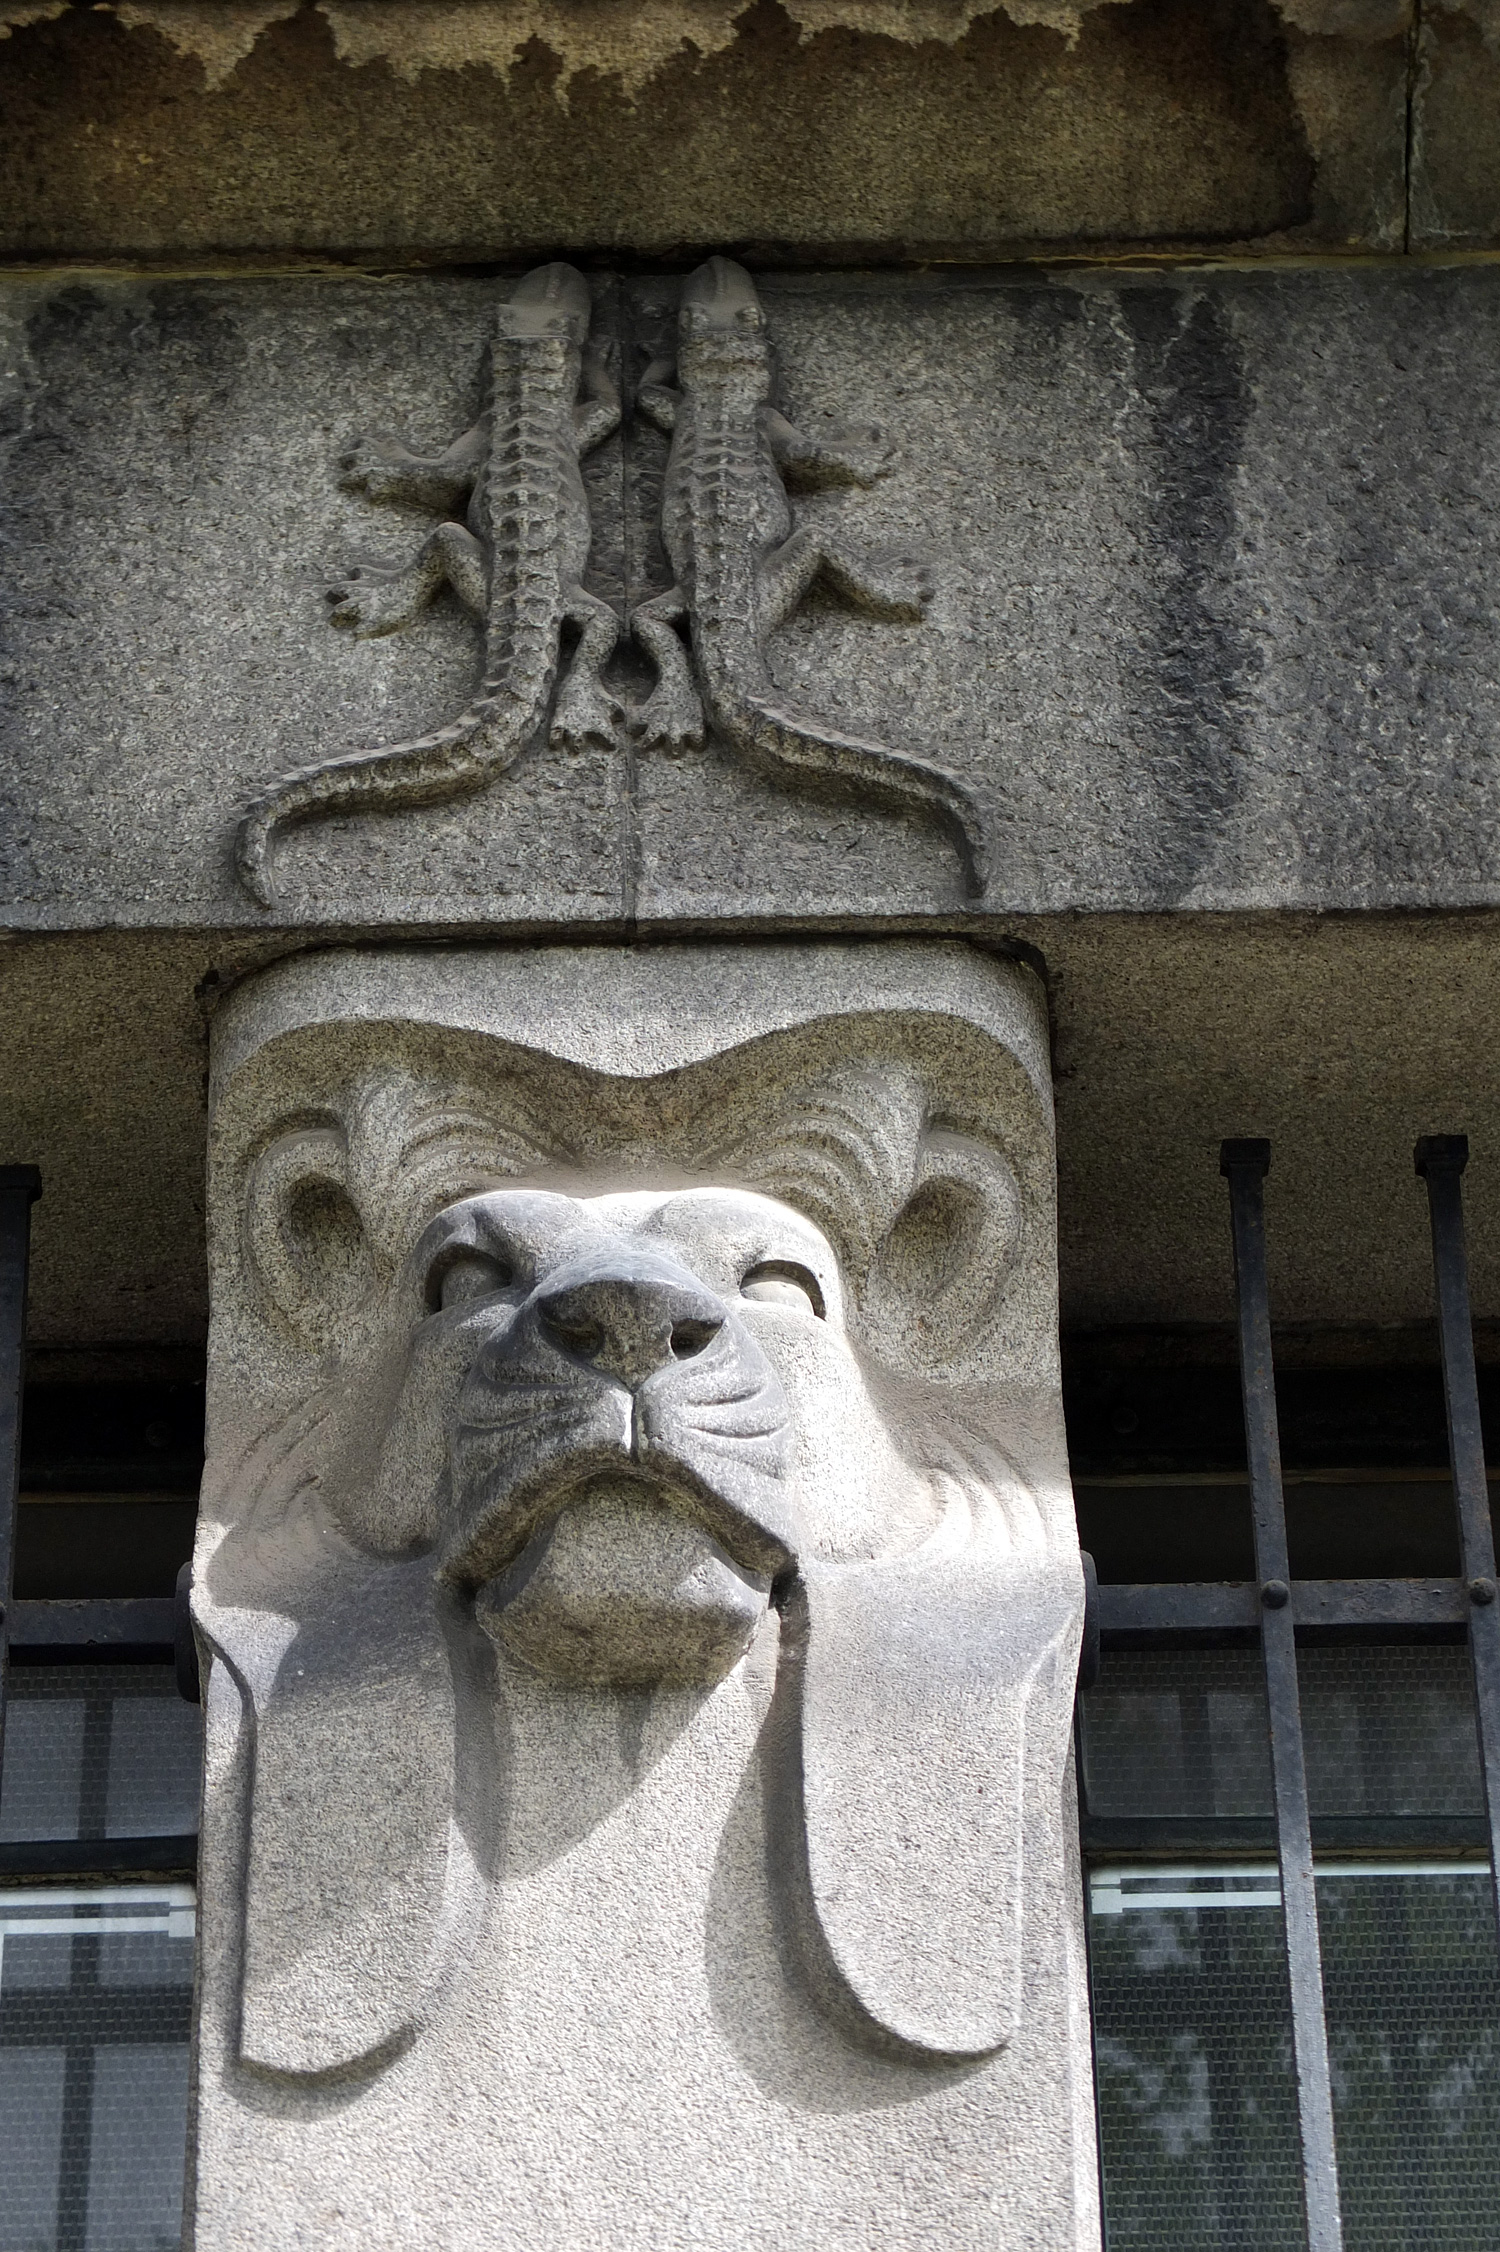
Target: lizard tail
481	743
781	739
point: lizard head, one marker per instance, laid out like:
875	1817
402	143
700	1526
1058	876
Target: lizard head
551	301
721	330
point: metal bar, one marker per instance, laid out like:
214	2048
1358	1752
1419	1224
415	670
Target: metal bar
1196	1606
1245	1165
1440	1160
20	1186
115	1628
99	1857
1178	1836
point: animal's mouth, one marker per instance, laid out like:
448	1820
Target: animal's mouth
623	1583
524	1515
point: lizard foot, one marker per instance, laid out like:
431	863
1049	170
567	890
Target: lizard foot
372	600
670	720
378	467
587	716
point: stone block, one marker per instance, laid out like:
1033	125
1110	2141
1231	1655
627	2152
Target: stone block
497	129
1191	642
1455	149
638	1568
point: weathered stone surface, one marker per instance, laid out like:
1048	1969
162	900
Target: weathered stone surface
504	128
638	1559
1455	148
1191	643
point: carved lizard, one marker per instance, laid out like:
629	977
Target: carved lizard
516	563
742	568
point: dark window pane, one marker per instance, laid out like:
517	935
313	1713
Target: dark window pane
99	1752
1196	2103
1196	2099
1389	1730
1175	1732
1413	2001
95	2002
31	2089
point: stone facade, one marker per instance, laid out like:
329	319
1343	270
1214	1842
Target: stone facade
1176	634
691	696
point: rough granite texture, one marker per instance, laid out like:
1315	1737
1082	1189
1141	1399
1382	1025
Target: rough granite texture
497	128
1192	644
535	1276
1169	1033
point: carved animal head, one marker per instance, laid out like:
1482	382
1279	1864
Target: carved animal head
782	1384
722	335
551	301
625	1416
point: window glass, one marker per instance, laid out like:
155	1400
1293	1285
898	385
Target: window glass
98	1752
1388	1730
1196	2092
1197	2104
95	2002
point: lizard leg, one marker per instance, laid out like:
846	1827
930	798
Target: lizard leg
597	413
373	599
785	576
671	719
888	582
587	713
655	399
387	470
833	457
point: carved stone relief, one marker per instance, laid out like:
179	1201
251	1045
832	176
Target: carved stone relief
516	561
518	557
742	567
638	1572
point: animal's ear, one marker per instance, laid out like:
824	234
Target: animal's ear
948	1254
305	1239
932	1697
358	1881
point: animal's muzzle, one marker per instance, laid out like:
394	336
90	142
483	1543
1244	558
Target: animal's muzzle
621	1365
629	1319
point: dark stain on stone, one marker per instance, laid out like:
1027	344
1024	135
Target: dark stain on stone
1193	676
1164	121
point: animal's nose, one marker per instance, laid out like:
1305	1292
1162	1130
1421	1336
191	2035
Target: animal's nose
630	1325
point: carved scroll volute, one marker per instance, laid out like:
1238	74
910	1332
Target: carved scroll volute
949	1254
931	1689
355	1874
305	1239
918	1685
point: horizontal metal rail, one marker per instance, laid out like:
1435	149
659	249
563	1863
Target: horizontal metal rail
99	1630
1208	1606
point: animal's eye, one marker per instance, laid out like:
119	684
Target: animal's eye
468	1274
781	1282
